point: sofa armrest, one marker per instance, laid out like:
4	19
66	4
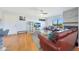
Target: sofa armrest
53	46
47	45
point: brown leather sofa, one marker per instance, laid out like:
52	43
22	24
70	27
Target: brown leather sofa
65	41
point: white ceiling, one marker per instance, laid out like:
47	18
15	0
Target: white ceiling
35	11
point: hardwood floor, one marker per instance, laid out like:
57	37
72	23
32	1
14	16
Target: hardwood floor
76	49
20	42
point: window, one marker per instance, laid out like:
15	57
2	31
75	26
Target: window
58	21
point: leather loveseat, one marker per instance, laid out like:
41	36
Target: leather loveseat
65	41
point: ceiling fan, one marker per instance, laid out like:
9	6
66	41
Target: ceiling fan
43	12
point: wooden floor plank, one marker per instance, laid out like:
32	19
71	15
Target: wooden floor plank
76	49
19	42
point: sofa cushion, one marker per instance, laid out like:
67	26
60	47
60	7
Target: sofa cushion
62	34
65	33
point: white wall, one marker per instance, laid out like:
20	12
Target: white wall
1	20
71	16
78	26
11	21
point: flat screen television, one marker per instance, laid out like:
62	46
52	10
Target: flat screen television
37	25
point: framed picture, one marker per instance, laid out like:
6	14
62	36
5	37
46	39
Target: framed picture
22	18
